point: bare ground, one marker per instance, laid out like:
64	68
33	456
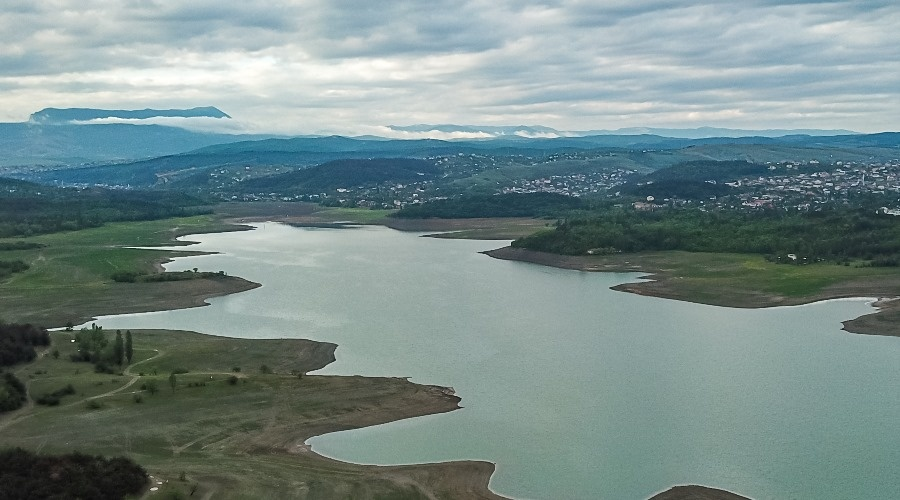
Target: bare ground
121	298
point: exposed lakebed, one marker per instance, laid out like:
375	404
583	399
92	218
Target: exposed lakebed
574	390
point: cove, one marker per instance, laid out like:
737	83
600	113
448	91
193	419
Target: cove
572	389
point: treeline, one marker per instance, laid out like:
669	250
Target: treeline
501	205
25	475
837	235
19	245
27	209
17	343
345	173
136	277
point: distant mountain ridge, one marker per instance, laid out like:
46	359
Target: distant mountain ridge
31	144
644	151
60	116
537	131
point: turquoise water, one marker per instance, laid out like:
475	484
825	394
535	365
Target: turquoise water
573	390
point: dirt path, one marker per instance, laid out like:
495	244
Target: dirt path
22	412
25	411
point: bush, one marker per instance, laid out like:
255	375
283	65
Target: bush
17	342
12	393
125	276
232	380
53	398
26	475
102	367
150	386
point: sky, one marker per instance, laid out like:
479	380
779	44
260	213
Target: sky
355	66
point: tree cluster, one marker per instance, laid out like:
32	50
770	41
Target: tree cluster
17	342
25	475
345	173
12	393
708	170
19	245
136	277
27	209
53	398
94	347
835	235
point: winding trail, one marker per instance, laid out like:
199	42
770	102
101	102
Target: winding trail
126	371
24	412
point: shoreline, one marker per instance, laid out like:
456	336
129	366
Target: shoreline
660	283
463	479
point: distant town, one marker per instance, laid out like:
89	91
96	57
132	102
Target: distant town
794	185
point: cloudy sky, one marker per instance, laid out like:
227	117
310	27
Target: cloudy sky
353	66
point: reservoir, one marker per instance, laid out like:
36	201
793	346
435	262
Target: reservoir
572	389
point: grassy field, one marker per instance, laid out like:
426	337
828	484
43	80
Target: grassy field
70	276
231	428
740	280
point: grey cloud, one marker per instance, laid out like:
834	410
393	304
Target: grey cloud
360	62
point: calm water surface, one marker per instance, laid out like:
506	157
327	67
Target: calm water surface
573	390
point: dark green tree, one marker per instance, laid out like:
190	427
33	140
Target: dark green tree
173	381
119	349
129	347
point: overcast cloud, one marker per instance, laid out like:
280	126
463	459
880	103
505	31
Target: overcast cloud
353	66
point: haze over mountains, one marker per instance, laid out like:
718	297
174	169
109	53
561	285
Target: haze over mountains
83	135
525	131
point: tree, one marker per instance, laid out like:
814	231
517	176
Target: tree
119	349
173	381
129	348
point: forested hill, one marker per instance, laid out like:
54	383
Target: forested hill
346	173
708	170
837	235
27	208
